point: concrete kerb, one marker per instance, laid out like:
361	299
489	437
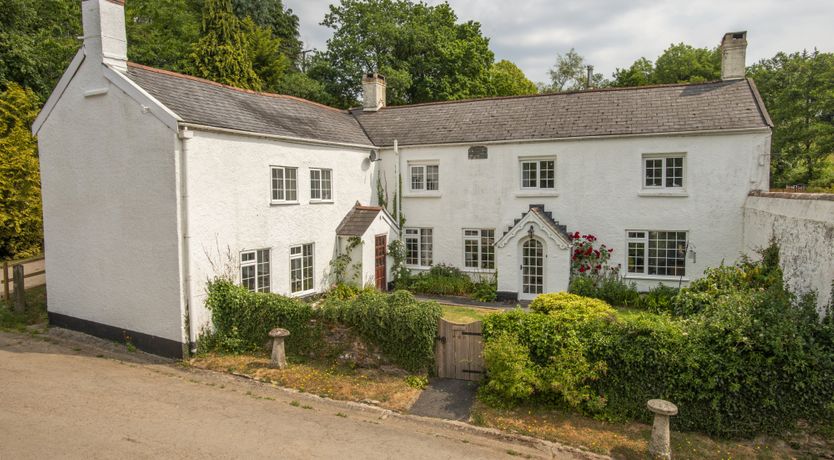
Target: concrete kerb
553	448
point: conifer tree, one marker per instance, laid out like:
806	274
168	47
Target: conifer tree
223	52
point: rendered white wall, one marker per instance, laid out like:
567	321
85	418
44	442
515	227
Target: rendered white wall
598	190
110	210
229	206
804	229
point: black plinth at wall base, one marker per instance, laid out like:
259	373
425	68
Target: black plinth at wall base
507	296
149	343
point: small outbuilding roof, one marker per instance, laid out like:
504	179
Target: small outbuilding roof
207	103
359	219
678	108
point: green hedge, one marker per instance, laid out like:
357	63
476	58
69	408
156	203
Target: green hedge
442	280
752	359
403	328
242	320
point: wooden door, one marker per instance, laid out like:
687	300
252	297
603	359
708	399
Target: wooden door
380	265
459	350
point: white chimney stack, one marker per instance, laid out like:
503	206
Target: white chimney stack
105	37
373	92
733	55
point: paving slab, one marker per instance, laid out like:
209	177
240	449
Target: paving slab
446	398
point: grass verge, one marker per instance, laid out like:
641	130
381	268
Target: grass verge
630	440
35	310
320	378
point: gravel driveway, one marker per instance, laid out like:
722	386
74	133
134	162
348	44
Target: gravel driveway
68	395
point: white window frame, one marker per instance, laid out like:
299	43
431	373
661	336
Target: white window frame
422	186
484	239
318	192
643	237
257	260
664	158
537	161
278	192
306	261
423	237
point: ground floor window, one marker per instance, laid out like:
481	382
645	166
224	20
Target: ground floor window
301	268
254	270
661	253
478	250
418	247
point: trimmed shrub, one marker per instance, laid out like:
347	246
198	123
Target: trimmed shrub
610	288
512	376
403	327
242	319
485	290
571	307
659	299
442	280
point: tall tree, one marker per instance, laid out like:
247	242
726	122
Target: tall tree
423	50
37	40
798	90
683	63
570	73
282	22
224	53
506	79
640	73
160	33
21	226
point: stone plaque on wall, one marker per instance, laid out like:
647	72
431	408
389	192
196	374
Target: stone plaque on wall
478	152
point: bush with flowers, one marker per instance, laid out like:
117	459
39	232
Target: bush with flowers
592	276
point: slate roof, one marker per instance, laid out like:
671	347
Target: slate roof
357	220
721	105
207	103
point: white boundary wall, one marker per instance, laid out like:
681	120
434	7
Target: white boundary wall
803	225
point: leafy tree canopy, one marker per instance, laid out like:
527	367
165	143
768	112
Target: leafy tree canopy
38	38
570	73
282	22
506	79
160	33
798	90
679	63
423	51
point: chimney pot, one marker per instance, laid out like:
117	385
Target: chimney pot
105	37
373	92
733	55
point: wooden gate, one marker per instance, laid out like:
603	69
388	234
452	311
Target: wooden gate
459	350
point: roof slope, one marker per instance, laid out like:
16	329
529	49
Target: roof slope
212	104
721	105
358	219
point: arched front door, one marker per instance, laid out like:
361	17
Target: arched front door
532	269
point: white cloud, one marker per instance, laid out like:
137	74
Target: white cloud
612	33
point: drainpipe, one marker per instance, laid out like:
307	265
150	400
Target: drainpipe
398	177
185	135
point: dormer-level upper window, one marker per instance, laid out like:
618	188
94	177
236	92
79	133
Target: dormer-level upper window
424	177
666	171
284	184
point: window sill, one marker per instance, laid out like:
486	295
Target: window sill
303	293
422	195
536	193
636	276
417	267
479	271
322	201
663	193
283	203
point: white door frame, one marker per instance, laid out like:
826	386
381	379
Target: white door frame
521	294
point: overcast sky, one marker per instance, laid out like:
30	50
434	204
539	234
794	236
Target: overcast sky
611	33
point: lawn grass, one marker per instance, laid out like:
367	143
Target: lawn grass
625	440
35	310
464	315
328	379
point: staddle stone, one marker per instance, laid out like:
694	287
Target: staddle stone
279	358
660	446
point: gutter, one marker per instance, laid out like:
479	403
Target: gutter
297	140
184	136
595	137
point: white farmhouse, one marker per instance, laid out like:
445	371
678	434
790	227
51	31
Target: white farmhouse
155	182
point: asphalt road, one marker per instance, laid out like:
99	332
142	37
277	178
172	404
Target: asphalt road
66	395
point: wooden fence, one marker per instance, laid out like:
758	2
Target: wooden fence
34	274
